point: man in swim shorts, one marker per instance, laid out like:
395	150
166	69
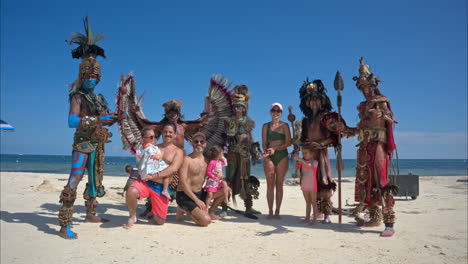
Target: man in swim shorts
152	187
190	195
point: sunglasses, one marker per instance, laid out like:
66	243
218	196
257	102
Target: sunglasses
276	111
199	141
150	137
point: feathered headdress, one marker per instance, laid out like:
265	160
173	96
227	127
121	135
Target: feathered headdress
313	89
240	95
173	105
88	51
366	77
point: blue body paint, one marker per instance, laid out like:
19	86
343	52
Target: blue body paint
73	120
89	83
70	234
77	162
106	117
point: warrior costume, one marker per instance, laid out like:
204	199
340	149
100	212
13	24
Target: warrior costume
376	144
241	149
324	127
90	136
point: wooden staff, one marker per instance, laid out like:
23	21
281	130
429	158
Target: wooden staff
292	118
339	85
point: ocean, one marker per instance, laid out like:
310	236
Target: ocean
115	166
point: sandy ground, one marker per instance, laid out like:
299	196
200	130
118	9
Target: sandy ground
430	229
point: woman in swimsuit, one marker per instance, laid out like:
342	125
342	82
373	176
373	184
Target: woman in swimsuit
276	138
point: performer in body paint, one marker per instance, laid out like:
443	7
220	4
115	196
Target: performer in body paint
88	114
320	129
376	145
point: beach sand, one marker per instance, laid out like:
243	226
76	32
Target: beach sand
430	229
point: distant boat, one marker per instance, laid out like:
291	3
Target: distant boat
4	126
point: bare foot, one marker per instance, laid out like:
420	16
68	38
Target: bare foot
269	217
130	223
179	214
277	217
65	232
95	219
214	217
388	232
166	194
305	220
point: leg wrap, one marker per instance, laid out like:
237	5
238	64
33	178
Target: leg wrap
327	207
320	205
248	202
389	217
65	216
375	214
388	203
91	206
67	197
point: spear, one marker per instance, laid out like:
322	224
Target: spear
339	85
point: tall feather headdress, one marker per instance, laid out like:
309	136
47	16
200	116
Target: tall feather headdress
88	51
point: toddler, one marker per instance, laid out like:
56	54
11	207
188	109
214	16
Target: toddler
308	168
213	173
149	159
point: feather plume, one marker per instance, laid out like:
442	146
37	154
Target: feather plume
87	43
218	105
129	127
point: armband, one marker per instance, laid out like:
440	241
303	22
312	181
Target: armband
73	120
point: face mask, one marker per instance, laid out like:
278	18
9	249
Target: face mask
89	83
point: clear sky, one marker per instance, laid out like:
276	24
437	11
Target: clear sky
418	48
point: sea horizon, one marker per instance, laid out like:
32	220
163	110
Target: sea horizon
60	164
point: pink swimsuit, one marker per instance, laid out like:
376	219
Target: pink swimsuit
213	184
309	176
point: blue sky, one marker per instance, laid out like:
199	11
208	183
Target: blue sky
418	48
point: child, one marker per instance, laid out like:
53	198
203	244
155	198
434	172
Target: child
149	160
213	171
308	167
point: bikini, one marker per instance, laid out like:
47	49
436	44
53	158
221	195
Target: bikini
279	154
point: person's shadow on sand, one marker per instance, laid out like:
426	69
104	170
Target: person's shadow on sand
46	219
114	220
40	220
281	225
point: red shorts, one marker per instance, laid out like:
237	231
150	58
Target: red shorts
153	190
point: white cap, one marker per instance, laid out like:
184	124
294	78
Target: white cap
278	105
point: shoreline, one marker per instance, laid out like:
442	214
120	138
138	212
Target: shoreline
288	176
29	206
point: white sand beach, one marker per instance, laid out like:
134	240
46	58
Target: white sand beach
430	229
